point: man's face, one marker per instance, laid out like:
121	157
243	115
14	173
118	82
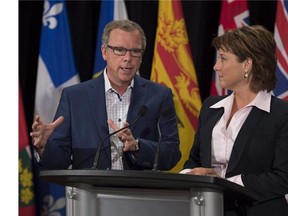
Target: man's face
122	69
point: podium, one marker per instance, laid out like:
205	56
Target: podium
143	193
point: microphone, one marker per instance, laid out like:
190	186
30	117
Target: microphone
164	113
141	113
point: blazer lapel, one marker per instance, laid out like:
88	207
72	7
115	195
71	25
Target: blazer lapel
214	116
96	100
137	99
243	136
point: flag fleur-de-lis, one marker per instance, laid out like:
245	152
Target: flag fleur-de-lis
52	207
49	14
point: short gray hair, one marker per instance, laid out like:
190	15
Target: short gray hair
125	25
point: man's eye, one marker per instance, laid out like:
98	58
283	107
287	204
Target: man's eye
136	51
118	49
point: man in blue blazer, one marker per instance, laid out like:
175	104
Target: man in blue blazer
88	112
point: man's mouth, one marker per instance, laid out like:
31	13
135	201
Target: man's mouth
126	69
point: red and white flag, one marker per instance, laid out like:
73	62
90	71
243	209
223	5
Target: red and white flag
234	14
281	38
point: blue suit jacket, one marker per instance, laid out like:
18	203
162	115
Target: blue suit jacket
260	153
85	125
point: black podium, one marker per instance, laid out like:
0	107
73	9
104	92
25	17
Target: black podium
143	193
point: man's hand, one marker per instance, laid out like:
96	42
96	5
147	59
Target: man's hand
41	132
125	136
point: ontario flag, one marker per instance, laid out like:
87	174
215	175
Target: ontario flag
26	186
56	70
109	11
234	14
173	67
281	38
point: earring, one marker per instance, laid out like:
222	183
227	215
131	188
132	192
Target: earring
246	74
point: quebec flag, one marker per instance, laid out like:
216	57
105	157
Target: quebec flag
56	67
281	38
110	10
56	70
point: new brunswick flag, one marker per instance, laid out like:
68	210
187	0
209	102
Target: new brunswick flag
173	66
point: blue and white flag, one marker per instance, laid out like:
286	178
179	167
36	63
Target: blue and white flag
56	70
56	66
110	10
281	38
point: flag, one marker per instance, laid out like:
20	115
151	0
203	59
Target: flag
109	11
173	67
56	70
281	38
234	14
26	186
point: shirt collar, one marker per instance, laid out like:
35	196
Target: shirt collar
261	101
108	84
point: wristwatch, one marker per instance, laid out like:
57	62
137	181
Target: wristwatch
136	145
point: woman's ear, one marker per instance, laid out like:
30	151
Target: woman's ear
248	64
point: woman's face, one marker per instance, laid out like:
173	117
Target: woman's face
230	71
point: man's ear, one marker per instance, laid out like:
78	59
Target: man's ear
104	52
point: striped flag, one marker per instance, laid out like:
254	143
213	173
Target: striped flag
234	14
110	10
173	67
56	70
26	186
281	38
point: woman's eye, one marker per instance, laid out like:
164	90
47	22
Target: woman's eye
222	58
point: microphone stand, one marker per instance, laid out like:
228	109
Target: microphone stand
156	159
157	155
